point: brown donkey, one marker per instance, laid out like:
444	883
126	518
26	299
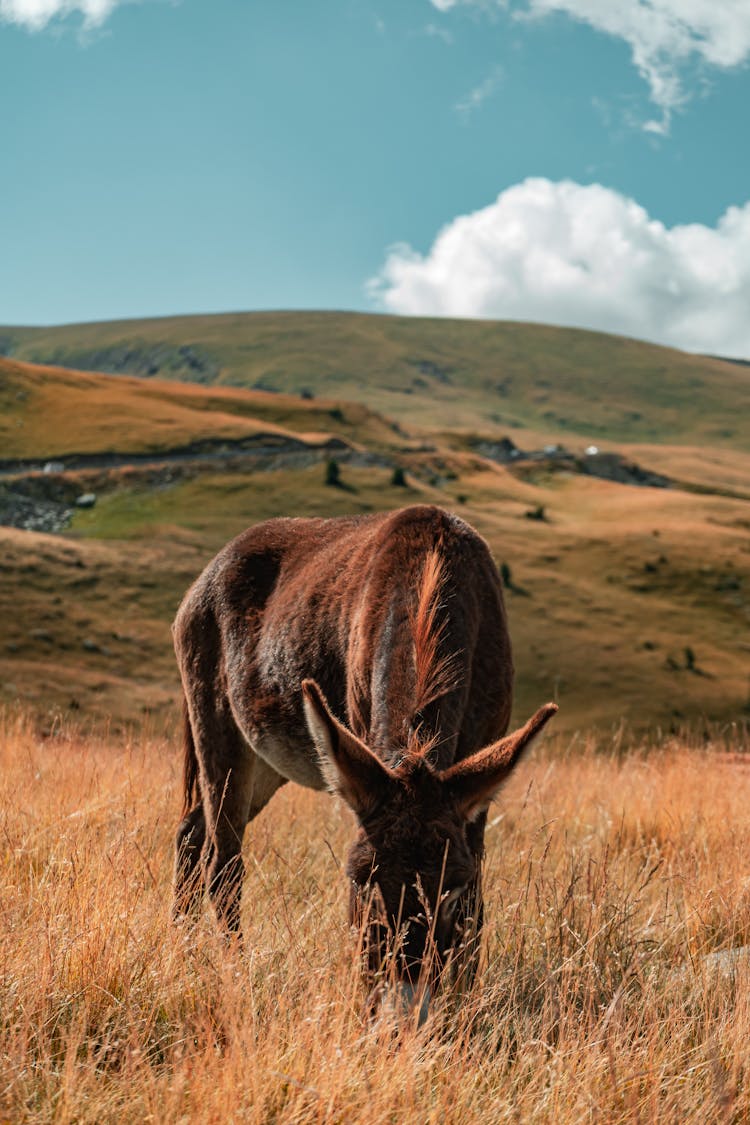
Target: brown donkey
370	656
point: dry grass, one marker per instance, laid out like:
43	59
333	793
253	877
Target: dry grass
50	412
609	877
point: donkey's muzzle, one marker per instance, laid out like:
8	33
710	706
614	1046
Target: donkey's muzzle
415	1001
401	1003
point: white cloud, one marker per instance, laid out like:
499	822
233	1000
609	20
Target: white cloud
36	14
476	97
435	31
562	253
663	35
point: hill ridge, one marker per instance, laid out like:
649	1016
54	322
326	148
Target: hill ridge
495	375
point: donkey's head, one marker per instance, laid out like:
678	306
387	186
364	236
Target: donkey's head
412	868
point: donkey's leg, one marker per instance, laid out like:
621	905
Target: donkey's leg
188	869
233	784
237	786
226	783
191	832
265	783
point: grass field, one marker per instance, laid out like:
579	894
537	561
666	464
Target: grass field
616	874
610	878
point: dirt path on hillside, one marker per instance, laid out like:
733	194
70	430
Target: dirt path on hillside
42	495
216	450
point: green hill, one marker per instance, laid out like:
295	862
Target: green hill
481	375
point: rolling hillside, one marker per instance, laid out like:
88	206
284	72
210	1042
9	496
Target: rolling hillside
626	603
482	375
53	412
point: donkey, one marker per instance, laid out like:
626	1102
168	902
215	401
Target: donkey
369	656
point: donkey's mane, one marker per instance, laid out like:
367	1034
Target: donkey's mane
435	671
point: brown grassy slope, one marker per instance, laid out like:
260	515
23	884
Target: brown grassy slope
85	626
706	466
84	619
48	412
608	880
479	374
622	582
608	591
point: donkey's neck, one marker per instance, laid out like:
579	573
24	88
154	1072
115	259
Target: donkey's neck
382	696
392	683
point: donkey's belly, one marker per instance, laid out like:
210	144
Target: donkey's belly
291	757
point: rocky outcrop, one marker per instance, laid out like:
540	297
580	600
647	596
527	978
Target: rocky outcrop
33	513
615	467
593	463
147	360
261	446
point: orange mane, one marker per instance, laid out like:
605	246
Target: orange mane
434	672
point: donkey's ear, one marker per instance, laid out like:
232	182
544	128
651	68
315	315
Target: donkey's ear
348	766
474	782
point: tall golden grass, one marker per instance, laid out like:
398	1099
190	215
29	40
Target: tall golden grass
611	878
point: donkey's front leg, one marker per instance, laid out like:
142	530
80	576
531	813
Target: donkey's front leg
246	789
227	805
225	872
225	782
188	865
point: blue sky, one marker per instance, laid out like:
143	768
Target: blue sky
562	160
